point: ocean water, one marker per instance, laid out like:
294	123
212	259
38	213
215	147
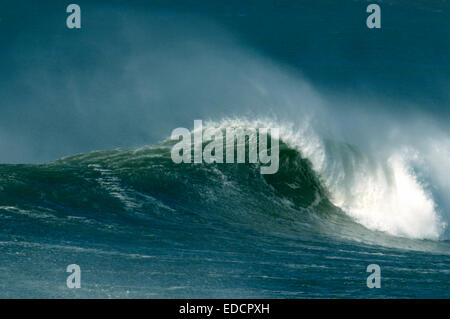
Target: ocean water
139	225
87	176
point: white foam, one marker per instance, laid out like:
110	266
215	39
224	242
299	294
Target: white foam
390	198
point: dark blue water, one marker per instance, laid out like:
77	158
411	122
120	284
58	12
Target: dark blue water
364	161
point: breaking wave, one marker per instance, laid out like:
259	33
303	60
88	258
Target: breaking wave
320	185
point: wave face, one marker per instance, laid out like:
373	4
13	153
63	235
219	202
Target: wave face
199	229
145	181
